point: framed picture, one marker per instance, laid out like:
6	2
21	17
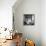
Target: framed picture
29	19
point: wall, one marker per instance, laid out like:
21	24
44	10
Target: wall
6	13
29	7
43	22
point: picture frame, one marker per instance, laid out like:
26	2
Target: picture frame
29	19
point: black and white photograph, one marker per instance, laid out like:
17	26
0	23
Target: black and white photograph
29	19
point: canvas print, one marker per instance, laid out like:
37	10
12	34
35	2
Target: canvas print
29	19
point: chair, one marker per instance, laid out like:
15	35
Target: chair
18	39
29	43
